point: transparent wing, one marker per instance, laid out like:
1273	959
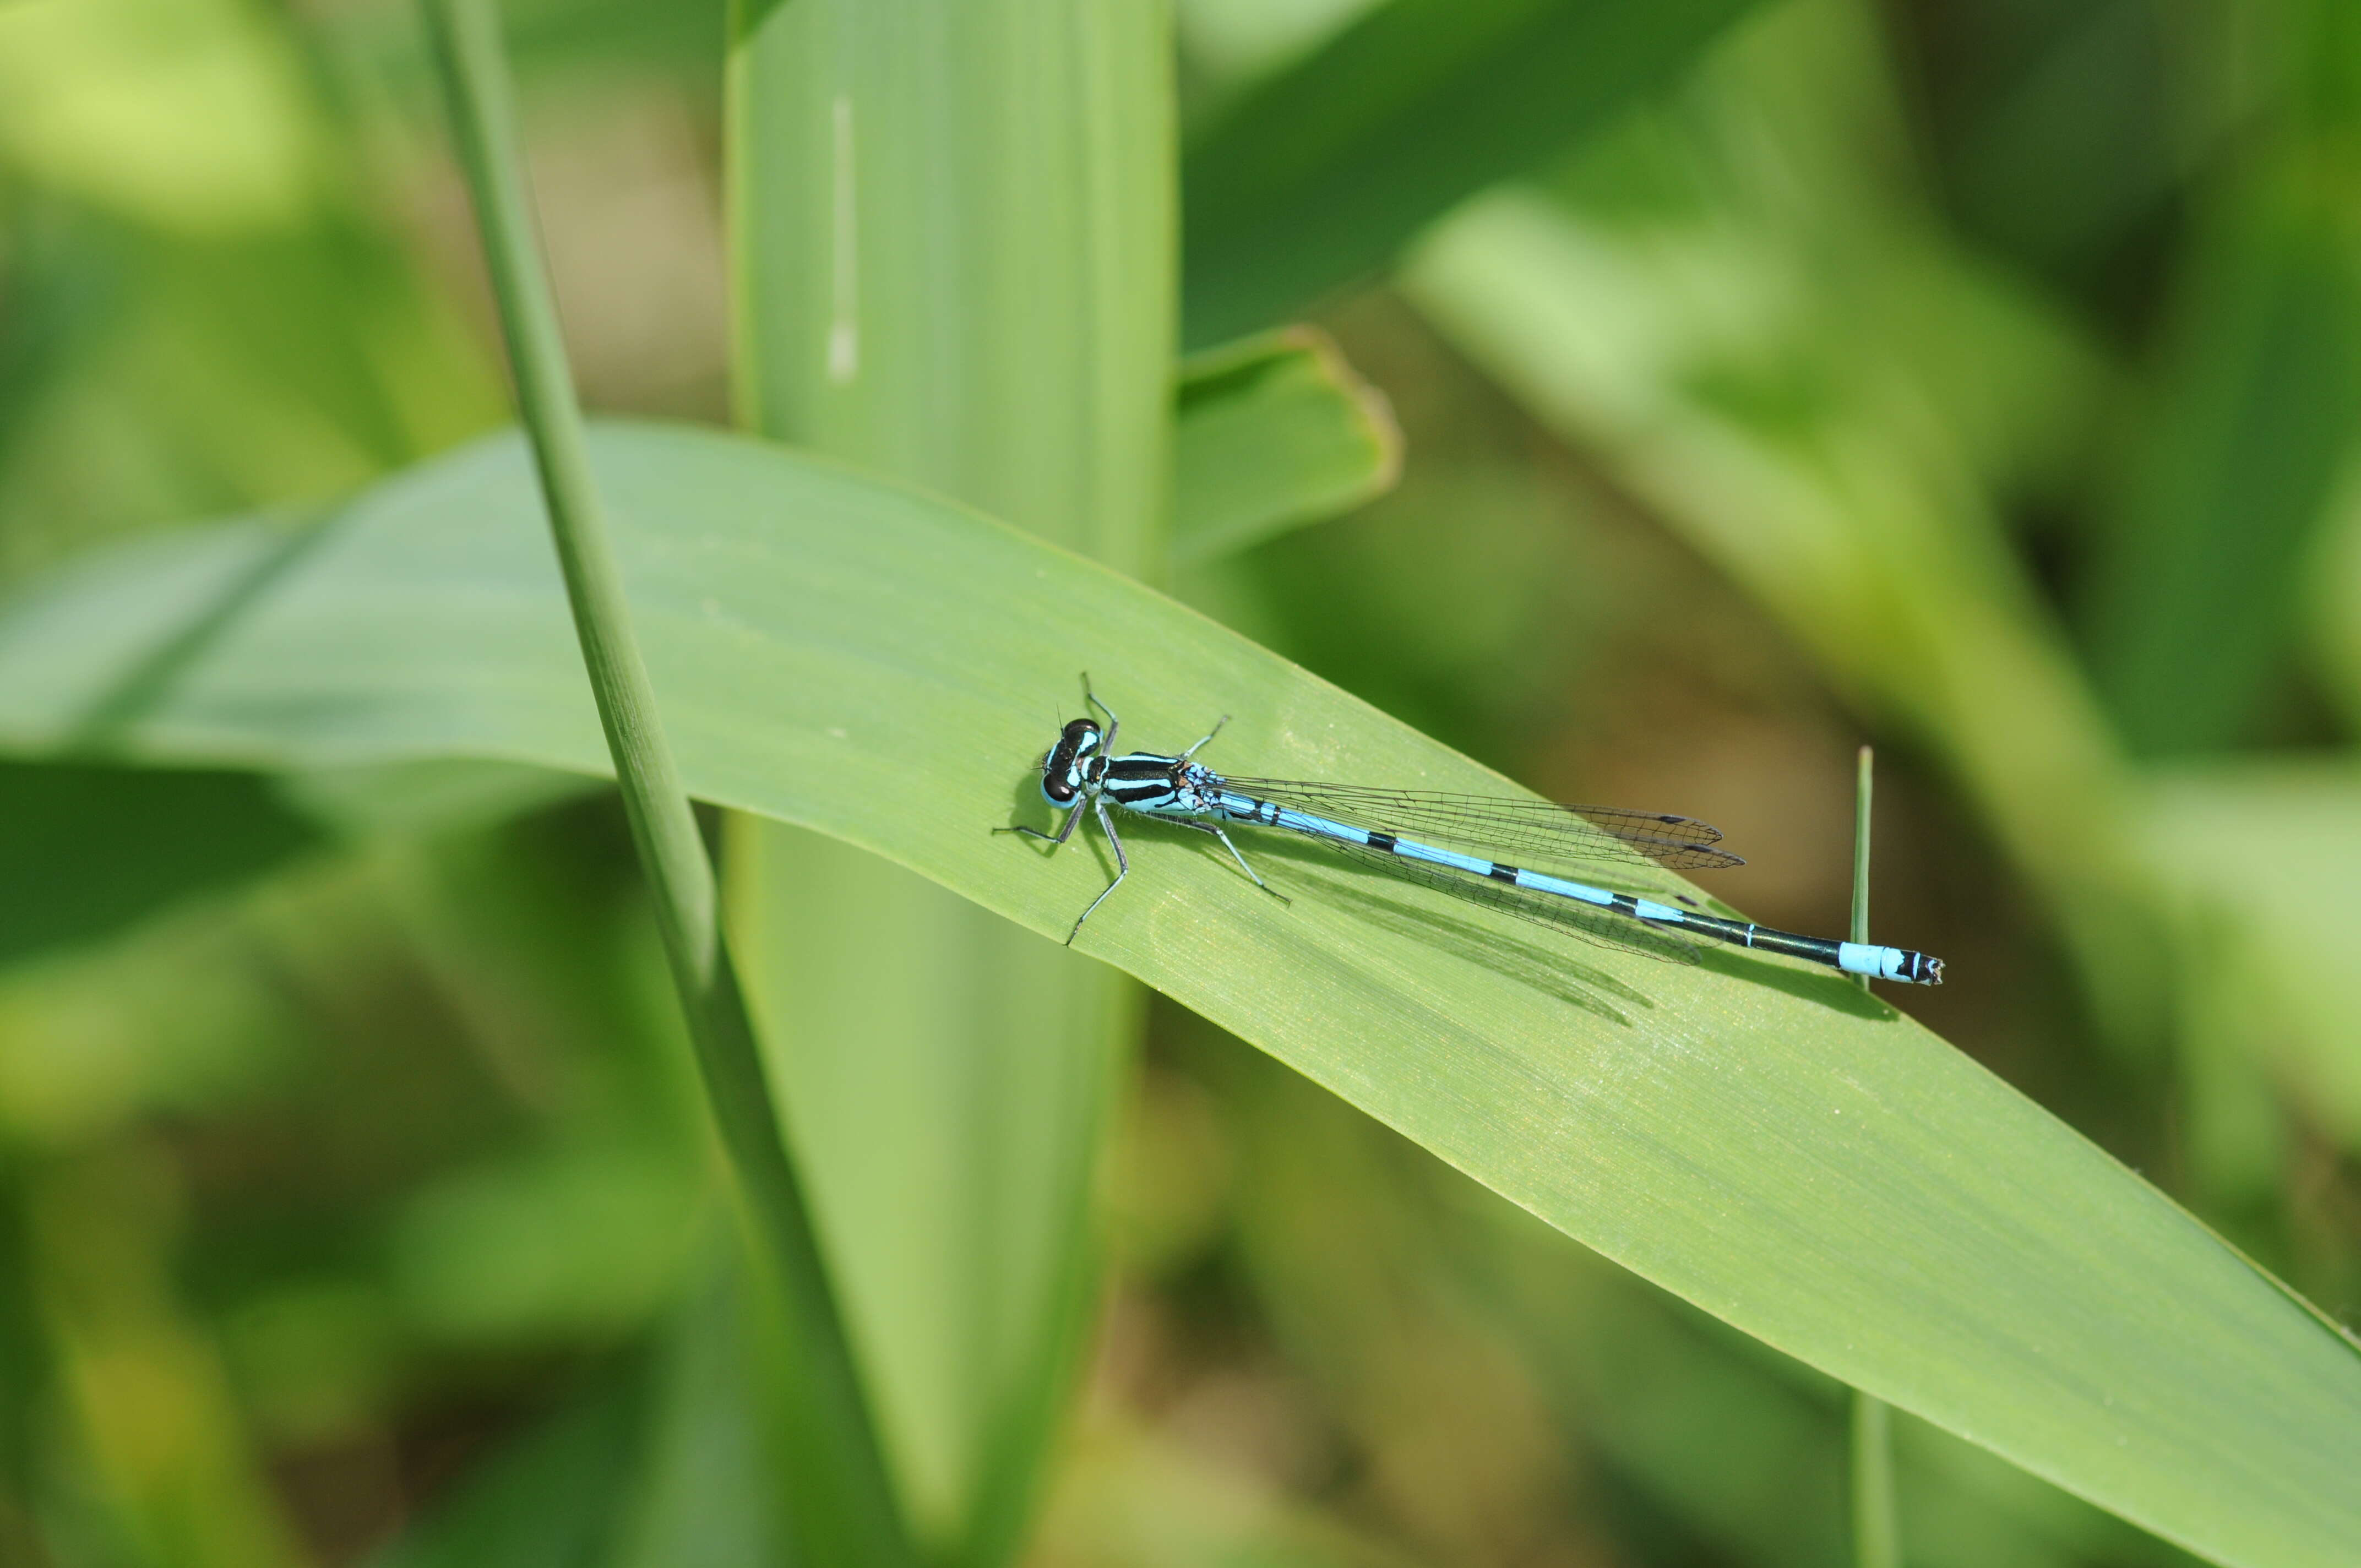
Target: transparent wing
1565	916
1536	833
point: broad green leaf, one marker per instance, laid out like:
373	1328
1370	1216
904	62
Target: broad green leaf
1274	432
1383	1275
1323	170
952	235
1790	1155
849	133
1271	432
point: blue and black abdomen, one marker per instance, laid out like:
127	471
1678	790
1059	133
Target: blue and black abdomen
1467	873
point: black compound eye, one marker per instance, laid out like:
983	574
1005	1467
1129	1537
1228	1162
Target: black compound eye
1061	770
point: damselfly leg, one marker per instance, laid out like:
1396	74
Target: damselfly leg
1232	848
1208	741
1107	744
1064	832
1122	865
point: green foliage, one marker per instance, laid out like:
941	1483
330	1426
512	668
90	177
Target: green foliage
207	309
1695	391
1781	359
949	1076
111	845
1318	174
1772	1145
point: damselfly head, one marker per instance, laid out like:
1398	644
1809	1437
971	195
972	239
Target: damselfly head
1065	769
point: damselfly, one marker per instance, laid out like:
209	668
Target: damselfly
1413	833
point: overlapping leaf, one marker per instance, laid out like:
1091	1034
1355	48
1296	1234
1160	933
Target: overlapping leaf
1793	1157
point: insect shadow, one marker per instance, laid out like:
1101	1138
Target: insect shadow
1372	897
1835	991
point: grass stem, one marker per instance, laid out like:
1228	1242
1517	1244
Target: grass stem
862	1524
1876	1525
1861	804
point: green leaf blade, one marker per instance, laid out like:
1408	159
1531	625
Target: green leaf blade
947	1076
1322	172
1791	1156
1273	432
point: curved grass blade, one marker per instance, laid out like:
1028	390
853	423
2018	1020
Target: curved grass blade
1790	1155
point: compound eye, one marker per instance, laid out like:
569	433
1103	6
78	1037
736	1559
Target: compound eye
1061	770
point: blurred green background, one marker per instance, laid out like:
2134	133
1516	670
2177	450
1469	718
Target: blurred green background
1976	377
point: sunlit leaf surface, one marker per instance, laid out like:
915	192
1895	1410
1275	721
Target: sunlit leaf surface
1795	1157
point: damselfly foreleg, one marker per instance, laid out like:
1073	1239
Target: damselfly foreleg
1106	745
1054	839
